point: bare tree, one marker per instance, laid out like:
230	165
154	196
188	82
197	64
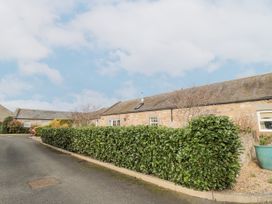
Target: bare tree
84	115
191	103
245	122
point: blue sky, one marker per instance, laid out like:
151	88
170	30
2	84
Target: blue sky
89	52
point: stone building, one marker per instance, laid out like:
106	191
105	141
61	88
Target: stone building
247	101
30	117
4	112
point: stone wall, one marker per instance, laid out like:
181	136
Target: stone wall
242	112
35	122
248	153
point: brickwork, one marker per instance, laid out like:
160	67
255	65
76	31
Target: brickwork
177	117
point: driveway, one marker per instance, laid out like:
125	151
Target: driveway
33	173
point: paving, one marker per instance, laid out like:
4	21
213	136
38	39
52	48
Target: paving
31	173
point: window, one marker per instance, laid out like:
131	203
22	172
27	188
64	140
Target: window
114	122
265	121
153	121
139	106
27	124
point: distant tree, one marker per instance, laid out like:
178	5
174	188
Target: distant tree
82	116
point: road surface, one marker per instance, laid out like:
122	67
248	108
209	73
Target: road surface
31	173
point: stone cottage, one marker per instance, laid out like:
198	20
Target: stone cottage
4	112
31	117
247	101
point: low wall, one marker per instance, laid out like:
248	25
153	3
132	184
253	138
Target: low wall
248	141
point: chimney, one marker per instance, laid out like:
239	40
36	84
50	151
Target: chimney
142	97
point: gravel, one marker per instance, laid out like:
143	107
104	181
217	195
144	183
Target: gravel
253	179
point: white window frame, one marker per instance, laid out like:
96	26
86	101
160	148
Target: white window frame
114	122
152	122
263	120
27	124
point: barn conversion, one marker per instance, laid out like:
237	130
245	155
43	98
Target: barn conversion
247	101
31	117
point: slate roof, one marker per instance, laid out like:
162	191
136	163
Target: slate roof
41	114
95	114
234	91
4	112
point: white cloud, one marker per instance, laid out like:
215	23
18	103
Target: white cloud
77	102
143	36
11	86
173	36
30	30
35	104
33	68
58	36
92	98
127	91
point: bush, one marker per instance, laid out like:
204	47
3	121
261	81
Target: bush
12	126
1	127
60	123
5	125
203	156
265	139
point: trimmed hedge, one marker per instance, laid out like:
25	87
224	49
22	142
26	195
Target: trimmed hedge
203	156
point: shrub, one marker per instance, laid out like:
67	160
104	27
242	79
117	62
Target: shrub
265	139
202	156
5	125
12	126
60	123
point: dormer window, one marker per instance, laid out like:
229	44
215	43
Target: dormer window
139	106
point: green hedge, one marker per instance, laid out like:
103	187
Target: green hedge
203	156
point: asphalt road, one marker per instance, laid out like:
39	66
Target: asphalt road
23	160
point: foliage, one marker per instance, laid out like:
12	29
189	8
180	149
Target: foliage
12	126
265	139
202	156
60	123
245	123
16	127
5	125
84	116
32	130
1	127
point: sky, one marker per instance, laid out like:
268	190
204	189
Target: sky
65	55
